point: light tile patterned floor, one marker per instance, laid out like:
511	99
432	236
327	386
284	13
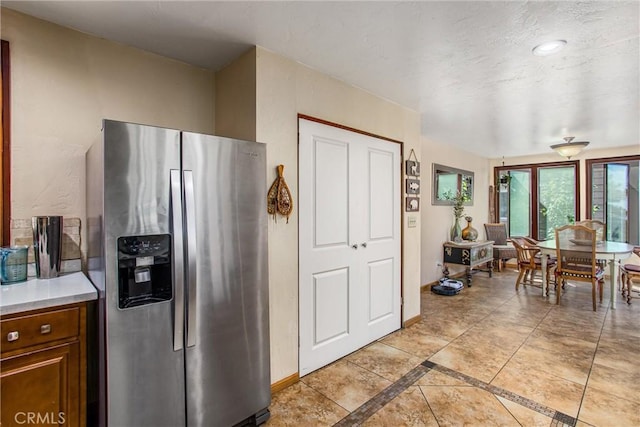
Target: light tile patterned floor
488	356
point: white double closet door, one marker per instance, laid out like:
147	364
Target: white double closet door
349	241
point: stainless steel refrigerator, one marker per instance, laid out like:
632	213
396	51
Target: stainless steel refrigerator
177	247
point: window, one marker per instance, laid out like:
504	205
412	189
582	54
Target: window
612	196
535	199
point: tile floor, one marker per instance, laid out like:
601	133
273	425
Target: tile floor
486	357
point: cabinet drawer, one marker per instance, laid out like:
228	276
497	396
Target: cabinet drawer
26	331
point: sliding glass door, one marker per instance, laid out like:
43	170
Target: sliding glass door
535	199
613	196
617	202
514	202
556	199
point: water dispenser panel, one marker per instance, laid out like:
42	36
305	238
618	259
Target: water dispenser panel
144	270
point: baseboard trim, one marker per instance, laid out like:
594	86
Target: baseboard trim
412	321
285	382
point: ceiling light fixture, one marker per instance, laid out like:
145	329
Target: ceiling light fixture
549	48
569	148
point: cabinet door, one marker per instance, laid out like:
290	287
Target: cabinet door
41	388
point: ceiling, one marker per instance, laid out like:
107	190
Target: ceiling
467	67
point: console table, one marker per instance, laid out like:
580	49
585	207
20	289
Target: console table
470	254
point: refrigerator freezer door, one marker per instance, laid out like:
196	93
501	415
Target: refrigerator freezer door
145	376
227	370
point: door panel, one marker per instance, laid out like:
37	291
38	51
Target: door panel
41	383
331	303
381	289
331	207
349	231
382	253
326	279
381	194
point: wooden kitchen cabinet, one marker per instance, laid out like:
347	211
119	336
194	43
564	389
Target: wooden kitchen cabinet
43	367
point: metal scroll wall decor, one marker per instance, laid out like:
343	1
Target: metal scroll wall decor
279	199
412	185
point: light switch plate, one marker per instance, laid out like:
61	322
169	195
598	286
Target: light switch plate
413	222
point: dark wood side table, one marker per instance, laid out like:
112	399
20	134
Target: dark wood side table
471	255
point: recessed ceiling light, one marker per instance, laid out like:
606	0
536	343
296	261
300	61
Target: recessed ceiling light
549	48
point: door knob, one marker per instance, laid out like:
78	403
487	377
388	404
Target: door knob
354	246
364	245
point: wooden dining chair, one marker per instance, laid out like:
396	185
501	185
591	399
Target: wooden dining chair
628	274
575	264
596	225
529	263
600	228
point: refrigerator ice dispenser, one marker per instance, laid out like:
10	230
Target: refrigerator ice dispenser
144	270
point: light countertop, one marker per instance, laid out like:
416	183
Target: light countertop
35	293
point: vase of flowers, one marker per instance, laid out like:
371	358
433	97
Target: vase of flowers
458	209
456	231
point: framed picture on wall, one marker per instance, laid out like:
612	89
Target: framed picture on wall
412	204
413	186
413	168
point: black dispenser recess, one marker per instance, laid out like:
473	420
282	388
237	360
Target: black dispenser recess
144	270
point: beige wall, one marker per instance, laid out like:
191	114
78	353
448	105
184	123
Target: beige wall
63	83
437	220
284	89
236	98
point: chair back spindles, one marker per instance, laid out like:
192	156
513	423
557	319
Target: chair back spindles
596	225
529	263
575	263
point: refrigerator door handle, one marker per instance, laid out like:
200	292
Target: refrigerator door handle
178	261
192	252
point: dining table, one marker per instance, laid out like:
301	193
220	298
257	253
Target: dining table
610	251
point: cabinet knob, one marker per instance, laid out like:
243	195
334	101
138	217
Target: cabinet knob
364	245
45	329
13	336
354	246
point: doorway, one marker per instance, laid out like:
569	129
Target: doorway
349	241
613	196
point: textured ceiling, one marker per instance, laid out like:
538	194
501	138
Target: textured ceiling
466	67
